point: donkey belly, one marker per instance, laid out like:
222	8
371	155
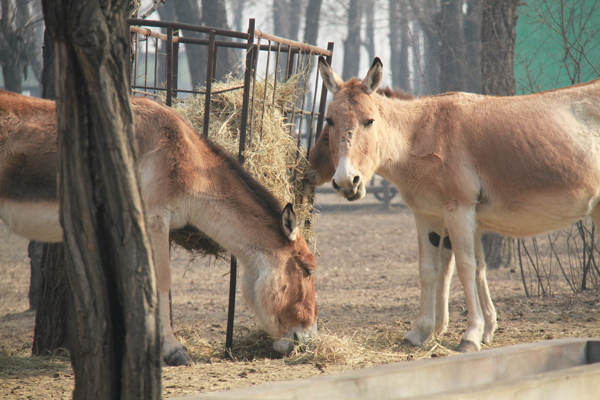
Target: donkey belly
541	213
34	220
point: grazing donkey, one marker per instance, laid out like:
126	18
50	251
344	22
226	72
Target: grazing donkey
186	182
467	163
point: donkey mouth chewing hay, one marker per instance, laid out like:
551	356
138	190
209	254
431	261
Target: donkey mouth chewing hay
464	163
186	182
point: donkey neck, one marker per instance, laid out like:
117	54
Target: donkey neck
232	208
395	131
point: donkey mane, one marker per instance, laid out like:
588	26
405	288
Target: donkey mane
395	93
264	197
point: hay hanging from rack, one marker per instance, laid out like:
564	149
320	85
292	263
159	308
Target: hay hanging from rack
272	154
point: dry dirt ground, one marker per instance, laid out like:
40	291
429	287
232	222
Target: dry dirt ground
368	296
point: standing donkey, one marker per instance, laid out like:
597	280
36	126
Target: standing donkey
186	182
467	163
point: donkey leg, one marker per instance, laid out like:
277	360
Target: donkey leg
462	227
485	300
428	266
444	277
173	352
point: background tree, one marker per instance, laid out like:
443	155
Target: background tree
353	42
399	44
214	14
116	352
19	45
498	38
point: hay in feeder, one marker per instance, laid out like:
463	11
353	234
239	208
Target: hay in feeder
272	154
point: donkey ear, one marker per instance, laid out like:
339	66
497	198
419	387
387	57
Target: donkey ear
374	76
332	81
288	222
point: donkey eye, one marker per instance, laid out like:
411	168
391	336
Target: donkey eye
326	138
329	121
369	123
307	270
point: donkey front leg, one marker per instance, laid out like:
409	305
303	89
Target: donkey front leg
463	231
173	352
429	266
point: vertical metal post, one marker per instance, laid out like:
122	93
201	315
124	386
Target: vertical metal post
320	119
244	125
247	81
168	100
210	70
323	99
175	71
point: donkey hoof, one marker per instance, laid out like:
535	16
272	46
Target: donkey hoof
467	346
408	342
178	357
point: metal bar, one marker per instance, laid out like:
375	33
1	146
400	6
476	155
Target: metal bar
137	57
264	100
244	124
188	91
323	100
276	71
290	65
210	67
292	43
169	72
175	72
155	63
146	65
188	27
231	306
320	119
247	80
254	62
188	40
312	116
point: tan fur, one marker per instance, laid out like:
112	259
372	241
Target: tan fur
467	163
185	180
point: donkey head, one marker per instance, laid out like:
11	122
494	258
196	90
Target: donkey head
352	129
282	292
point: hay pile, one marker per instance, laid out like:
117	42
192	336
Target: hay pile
272	155
326	348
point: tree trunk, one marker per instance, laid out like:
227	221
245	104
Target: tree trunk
427	14
311	26
498	37
353	41
49	289
473	46
214	14
452	55
188	12
53	313
369	41
116	351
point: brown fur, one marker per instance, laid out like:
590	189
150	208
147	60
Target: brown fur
466	163
186	181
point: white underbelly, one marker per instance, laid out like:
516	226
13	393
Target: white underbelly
539	215
33	220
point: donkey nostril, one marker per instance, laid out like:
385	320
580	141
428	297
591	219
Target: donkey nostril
335	186
356	180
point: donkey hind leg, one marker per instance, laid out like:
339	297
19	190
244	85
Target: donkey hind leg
444	277
462	227
483	291
429	259
173	352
